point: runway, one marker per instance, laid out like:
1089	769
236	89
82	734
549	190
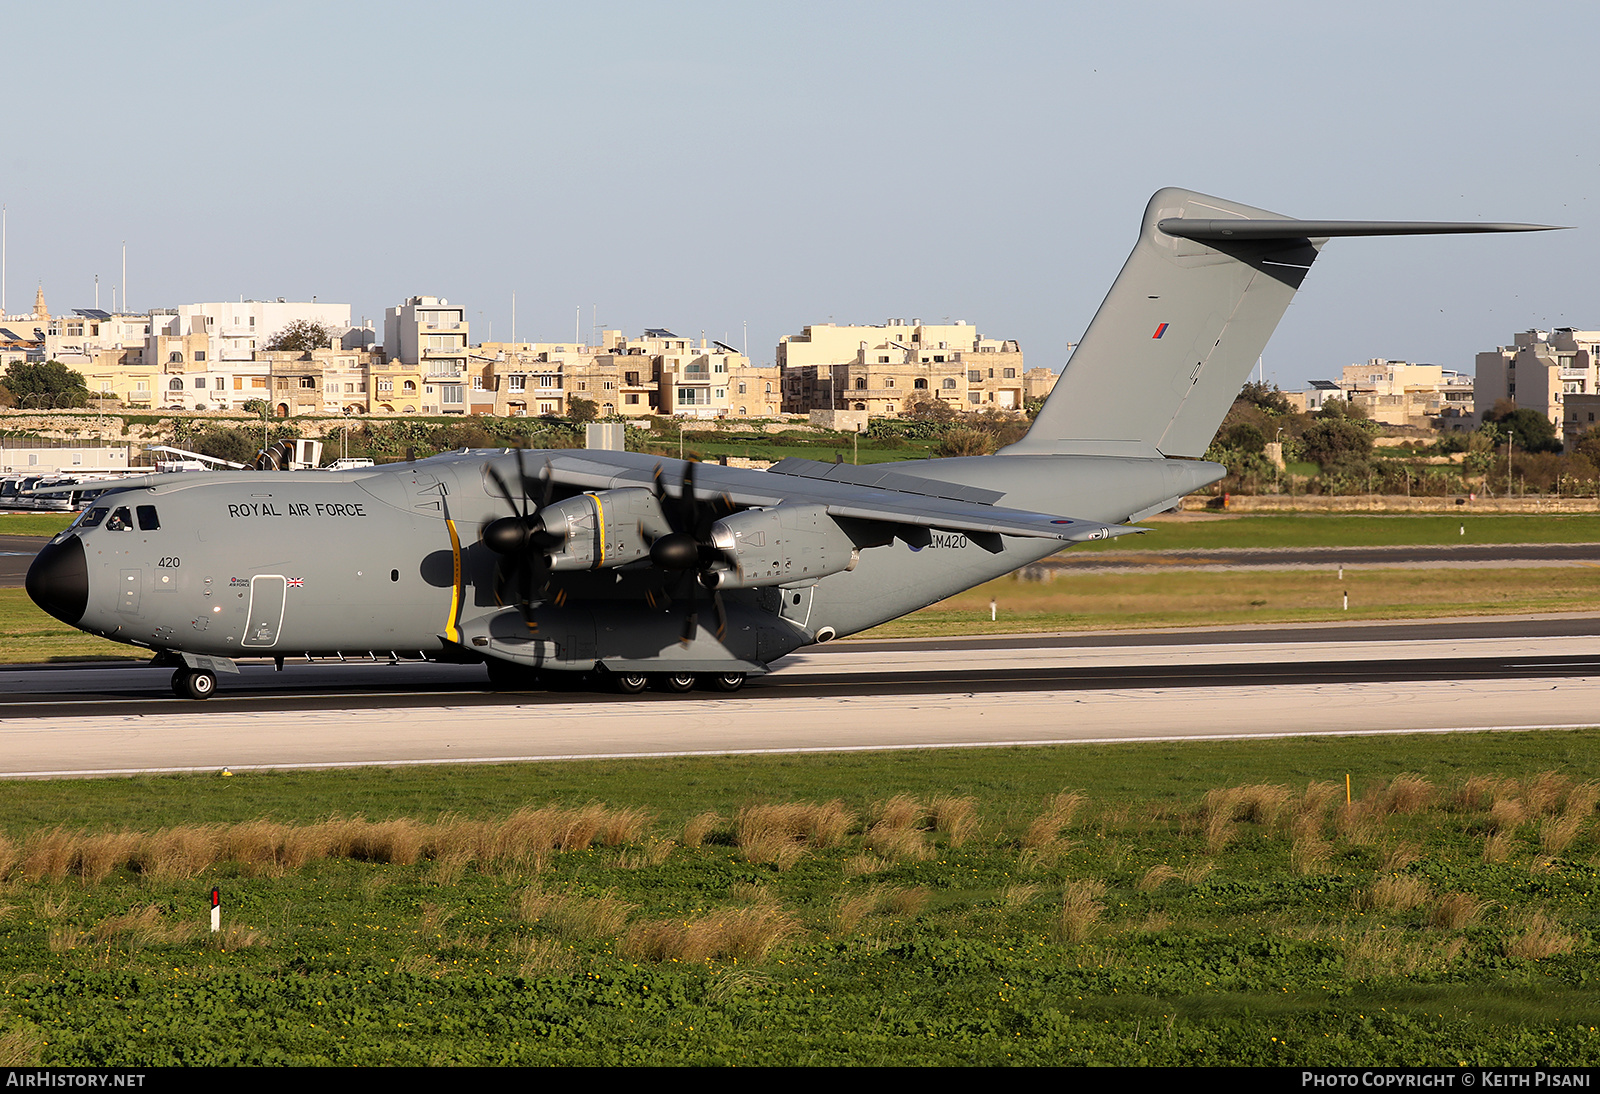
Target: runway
1446	676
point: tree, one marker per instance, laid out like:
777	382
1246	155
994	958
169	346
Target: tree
1530	430
1336	440
301	336
582	410
237	445
1342	408
45	383
1268	398
929	408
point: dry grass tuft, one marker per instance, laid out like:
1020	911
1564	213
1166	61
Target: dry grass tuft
1407	793
898	844
146	926
236	936
739	933
1357	822
955	818
1044	834
1018	896
1581	800
1309	855
21	1046
1397	893
900	811
1497	847
568	915
701	826
1397	856
1155	877
1391	953
1226	808
1196	872
781	834
1558	833
178	854
1318	798
1154	923
1539	936
851	909
1543	793
1454	911
1480	791
541	957
654	855
1080	911
1506	815
863	864
48	853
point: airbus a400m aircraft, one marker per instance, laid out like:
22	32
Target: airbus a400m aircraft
636	569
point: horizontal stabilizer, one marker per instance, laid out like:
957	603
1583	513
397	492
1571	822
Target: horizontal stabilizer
1260	228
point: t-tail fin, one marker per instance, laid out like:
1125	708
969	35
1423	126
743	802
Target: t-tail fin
1184	323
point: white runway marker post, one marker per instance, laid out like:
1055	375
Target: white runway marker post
216	911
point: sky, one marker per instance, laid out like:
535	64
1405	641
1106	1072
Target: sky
746	169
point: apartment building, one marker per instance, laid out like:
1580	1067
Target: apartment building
429	336
658	372
1403	393
1538	371
884	370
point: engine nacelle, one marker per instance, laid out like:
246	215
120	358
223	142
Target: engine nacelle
779	545
608	528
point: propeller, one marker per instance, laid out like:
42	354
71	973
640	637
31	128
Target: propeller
523	567
687	550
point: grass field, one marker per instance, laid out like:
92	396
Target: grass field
1203	531
1167	904
1207	598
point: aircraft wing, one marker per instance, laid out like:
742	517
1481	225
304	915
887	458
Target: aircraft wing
846	492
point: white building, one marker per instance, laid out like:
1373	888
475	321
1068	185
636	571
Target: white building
431	335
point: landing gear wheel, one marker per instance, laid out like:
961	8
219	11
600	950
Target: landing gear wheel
190	683
726	681
676	681
630	683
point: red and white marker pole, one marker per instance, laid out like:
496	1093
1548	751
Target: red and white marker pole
216	911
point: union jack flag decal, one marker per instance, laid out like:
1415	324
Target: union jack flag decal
296	582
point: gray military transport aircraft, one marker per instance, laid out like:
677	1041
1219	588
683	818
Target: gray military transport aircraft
633	570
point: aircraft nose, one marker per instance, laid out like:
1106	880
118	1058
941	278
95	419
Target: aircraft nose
58	580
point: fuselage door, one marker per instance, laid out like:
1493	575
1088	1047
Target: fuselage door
267	595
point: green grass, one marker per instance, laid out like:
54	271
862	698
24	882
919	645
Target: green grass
1180	597
1235	933
29	636
1208	532
34	524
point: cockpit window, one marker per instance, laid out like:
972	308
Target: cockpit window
148	521
93	517
121	520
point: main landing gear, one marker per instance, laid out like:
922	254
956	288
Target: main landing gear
190	683
504	676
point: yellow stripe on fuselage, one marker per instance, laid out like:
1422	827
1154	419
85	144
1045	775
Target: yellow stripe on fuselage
600	531
450	630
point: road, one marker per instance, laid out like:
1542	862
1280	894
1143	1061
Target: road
1452	675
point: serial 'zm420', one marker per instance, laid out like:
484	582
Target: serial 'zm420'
638	569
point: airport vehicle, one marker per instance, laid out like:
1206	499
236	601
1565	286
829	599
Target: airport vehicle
632	569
